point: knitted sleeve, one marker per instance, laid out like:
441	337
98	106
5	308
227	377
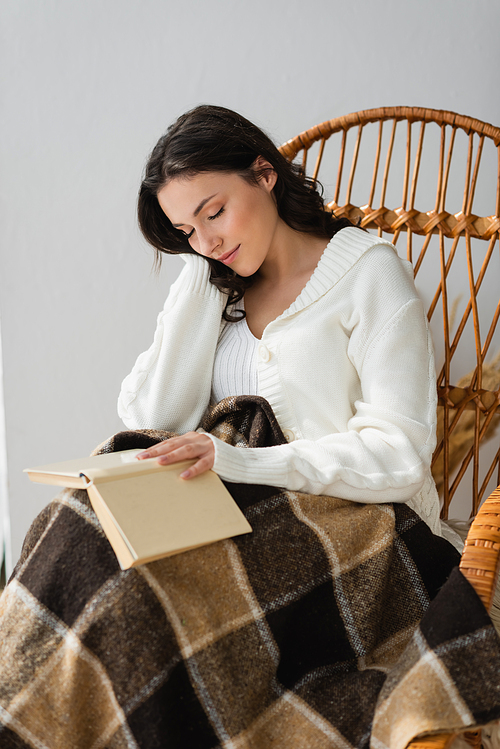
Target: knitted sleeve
169	386
384	454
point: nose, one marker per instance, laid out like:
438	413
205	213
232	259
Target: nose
208	242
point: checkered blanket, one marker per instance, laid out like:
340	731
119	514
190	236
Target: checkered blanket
334	623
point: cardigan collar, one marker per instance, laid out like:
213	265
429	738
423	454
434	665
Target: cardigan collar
340	255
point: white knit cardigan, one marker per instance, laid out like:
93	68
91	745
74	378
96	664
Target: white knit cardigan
348	369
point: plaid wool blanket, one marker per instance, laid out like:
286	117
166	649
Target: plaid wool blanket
332	625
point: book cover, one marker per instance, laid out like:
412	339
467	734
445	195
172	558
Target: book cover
146	510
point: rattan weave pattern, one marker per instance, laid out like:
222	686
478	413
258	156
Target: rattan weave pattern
393	220
412	114
439	741
449	234
480	561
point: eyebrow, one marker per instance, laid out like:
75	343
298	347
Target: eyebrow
198	208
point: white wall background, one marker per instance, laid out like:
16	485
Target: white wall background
88	87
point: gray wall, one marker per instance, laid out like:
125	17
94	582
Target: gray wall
88	87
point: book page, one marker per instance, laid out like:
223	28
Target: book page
78	466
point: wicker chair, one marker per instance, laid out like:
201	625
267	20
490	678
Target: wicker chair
390	166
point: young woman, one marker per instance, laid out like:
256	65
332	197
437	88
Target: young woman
280	299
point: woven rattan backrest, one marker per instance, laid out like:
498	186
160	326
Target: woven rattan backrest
433	177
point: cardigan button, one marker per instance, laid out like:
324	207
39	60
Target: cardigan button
264	353
289	435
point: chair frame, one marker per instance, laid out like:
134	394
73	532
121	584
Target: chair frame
480	562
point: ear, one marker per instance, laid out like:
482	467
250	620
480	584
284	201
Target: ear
265	173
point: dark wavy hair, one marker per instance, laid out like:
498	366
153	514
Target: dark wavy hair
216	139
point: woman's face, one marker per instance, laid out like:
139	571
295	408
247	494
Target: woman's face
225	217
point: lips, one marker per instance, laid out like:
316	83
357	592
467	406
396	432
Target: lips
228	257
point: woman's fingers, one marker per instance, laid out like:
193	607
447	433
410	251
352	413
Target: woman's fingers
189	446
174	443
202	465
185	451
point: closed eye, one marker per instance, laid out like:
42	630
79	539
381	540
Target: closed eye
184	233
210	218
216	215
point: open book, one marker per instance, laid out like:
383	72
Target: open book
146	510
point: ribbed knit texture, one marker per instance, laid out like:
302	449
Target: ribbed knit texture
348	370
235	365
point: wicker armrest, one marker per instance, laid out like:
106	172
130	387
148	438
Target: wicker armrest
438	741
480	564
481	556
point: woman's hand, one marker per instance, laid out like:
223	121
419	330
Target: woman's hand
189	446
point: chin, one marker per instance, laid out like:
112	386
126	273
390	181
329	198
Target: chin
244	274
